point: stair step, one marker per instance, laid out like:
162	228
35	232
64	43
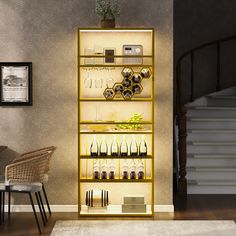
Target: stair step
212	156
211	131
211	108
221	96
213	182
212	169
202	143
211	119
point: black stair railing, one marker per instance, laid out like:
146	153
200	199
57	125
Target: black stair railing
181	119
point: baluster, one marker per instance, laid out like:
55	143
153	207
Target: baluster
181	120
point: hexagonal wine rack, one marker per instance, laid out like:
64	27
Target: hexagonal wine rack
130	85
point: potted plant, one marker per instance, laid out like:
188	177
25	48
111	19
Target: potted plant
108	10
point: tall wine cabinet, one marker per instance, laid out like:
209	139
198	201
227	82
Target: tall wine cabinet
116	121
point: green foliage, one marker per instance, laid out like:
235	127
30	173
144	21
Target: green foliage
107	9
136	118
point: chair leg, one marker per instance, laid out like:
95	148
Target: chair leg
40	209
0	208
41	201
3	206
9	204
35	214
46	198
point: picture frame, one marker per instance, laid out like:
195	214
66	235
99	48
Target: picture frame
109	54
15	83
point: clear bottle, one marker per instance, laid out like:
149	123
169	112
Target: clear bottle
96	171
140	168
133	147
143	147
103	147
123	147
125	169
114	147
112	169
132	170
104	169
94	147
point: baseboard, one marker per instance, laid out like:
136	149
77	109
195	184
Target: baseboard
74	208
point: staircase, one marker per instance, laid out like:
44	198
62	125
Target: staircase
211	144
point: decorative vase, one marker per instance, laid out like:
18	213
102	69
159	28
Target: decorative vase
108	23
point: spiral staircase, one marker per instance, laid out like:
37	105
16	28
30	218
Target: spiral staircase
211	144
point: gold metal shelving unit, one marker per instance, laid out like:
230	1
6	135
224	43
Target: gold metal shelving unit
85	158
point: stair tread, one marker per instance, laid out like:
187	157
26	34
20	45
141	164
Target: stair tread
221	96
213	182
211	168
212	108
202	156
212	143
211	119
211	130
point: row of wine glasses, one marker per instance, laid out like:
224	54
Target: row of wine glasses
98	82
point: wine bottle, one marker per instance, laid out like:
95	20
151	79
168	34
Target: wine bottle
123	148
125	168
132	170
114	147
104	169
103	147
133	147
94	147
143	147
140	168
96	172
112	169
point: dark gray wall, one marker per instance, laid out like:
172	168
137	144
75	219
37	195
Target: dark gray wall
201	21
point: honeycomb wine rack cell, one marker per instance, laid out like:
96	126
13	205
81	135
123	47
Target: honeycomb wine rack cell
109	93
130	84
145	73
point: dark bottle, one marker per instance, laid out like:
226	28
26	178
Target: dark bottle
104	169
112	169
133	147
125	168
143	148
114	148
94	147
103	147
123	148
132	170
96	172
140	170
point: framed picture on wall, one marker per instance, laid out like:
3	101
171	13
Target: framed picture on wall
15	83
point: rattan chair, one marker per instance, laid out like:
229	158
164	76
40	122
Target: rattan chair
26	176
50	150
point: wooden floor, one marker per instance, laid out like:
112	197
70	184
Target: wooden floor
195	207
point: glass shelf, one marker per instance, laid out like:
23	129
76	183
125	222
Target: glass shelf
115	65
117	158
115	100
114	122
115	180
116	56
113	128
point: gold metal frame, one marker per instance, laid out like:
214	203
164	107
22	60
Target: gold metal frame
84	157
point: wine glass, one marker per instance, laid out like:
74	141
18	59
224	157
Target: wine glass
88	81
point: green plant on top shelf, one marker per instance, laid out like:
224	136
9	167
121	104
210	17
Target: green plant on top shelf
108	10
135	118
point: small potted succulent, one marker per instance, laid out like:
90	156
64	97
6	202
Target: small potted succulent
108	10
